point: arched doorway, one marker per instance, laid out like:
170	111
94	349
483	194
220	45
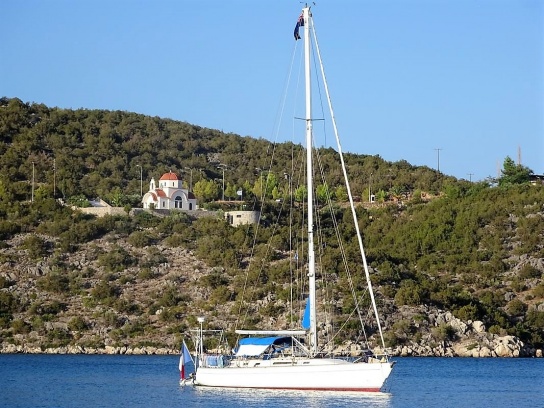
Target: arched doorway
178	202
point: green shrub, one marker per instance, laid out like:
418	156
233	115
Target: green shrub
174	241
47	310
529	272
140	239
116	260
153	258
105	292
146	273
111	319
535	318
391	339
538	291
516	307
467	312
221	295
214	280
409	294
54	282
20	327
8	304
170	297
35	246
5	282
79	201
127	306
58	338
77	323
443	332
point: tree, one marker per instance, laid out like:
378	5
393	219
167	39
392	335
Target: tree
206	190
301	193
322	193
230	191
341	193
513	173
264	185
381	196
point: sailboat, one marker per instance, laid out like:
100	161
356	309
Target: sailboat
292	359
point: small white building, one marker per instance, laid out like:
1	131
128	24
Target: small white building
169	194
236	218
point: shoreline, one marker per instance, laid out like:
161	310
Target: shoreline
142	351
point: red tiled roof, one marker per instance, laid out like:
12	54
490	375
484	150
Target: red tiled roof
169	176
160	193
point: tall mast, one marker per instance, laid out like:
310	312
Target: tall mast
309	171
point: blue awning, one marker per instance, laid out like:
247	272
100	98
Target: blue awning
254	346
261	341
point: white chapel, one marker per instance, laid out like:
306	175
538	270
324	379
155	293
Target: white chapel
169	194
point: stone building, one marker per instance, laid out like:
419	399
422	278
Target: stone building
236	218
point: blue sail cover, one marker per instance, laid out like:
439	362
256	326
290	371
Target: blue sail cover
254	346
261	341
306	317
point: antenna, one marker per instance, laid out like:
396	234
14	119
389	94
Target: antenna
519	155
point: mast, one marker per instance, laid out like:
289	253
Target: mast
309	176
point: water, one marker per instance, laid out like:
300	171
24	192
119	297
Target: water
152	381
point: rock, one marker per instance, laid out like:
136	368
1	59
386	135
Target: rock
406	351
478	327
111	350
458	325
502	350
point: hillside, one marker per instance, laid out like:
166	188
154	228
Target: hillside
458	274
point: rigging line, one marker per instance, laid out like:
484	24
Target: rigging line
337	332
341	245
354	214
246	278
279	115
321	241
318	82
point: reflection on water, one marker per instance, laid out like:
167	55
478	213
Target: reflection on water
226	397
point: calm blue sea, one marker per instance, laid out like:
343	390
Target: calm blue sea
152	381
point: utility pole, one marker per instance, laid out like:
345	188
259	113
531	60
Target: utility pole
32	198
470	177
191	178
222	167
438	155
141	181
54	178
370	189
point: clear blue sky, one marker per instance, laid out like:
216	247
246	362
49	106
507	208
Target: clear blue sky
406	76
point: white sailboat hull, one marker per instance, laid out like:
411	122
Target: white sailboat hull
305	374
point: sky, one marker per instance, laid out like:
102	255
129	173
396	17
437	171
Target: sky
454	84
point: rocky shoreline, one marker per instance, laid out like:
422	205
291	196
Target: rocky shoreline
108	350
485	346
